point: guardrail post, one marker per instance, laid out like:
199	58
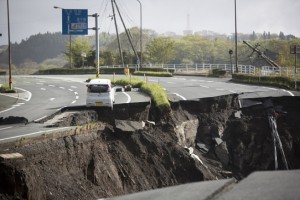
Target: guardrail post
196	67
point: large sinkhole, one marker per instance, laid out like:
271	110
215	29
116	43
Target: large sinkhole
137	148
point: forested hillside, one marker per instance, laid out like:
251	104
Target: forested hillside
37	48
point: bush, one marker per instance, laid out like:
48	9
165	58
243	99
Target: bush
151	73
81	71
217	73
278	81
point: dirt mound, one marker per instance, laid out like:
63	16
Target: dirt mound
134	149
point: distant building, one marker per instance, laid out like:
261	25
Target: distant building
188	30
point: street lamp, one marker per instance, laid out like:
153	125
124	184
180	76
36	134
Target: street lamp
141	33
70	38
9	48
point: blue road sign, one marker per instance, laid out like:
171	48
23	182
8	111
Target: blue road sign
74	21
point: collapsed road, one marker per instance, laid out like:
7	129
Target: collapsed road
138	148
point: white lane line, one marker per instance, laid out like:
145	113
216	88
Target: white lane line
171	83
29	134
73	102
204	86
77	97
52	99
1	129
16	105
51	85
62	88
289	92
269	88
7	110
43	89
76	93
29	94
40	83
232	91
71	90
40	118
73	87
128	97
220	89
180	96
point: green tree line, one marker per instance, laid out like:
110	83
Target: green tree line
160	49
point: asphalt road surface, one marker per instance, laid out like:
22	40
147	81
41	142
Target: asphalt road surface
40	96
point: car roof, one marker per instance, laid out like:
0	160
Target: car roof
99	81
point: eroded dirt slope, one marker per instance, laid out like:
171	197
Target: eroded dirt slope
136	148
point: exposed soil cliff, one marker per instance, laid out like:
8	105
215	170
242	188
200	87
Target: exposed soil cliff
135	148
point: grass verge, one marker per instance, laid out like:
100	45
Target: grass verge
155	91
5	89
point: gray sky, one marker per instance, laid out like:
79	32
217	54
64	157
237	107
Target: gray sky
29	17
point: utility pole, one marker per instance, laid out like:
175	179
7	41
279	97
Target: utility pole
141	33
97	42
115	20
127	33
236	48
9	48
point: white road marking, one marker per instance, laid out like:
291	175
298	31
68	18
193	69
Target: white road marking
71	90
19	136
180	96
77	97
51	85
76	93
73	87
7	110
128	97
29	94
40	83
270	88
52	99
231	91
73	102
1	129
170	82
204	86
40	118
220	89
43	89
62	88
289	92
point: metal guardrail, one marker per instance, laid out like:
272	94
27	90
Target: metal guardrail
205	68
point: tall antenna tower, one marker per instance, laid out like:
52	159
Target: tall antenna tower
188	30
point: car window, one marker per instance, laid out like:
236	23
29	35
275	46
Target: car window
98	88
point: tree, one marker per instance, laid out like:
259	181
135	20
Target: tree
79	46
160	50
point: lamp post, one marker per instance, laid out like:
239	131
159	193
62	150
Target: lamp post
9	48
141	33
236	48
70	38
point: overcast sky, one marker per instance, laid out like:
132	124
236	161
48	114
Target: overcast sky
29	17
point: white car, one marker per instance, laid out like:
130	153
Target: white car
100	93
